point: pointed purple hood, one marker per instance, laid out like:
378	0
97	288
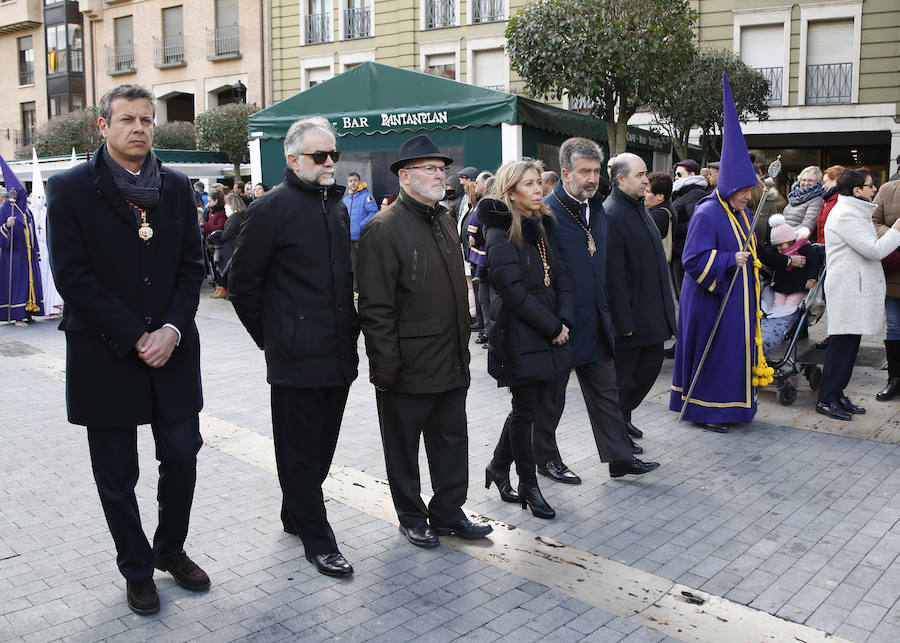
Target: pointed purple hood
736	170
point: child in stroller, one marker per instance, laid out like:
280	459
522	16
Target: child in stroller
784	324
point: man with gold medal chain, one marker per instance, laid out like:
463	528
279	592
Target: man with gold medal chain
126	257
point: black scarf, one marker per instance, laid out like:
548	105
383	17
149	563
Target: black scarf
141	190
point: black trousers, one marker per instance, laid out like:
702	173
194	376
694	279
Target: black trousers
515	444
840	356
598	386
114	460
484	301
636	371
441	419
305	426
481	315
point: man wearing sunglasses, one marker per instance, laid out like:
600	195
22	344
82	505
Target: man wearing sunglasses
414	312
291	286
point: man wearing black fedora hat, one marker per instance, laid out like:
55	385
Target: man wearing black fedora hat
413	309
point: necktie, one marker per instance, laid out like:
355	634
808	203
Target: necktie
582	212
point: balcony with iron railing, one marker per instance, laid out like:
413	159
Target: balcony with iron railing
26	72
223	43
318	28
168	51
120	59
580	104
440	14
830	84
488	11
357	23
774	76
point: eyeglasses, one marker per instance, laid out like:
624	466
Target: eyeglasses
320	156
430	170
870	185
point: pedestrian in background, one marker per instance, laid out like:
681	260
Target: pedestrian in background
887	213
362	207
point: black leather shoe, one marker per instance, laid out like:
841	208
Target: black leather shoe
482	338
464	528
420	535
533	498
890	391
715	427
289	529
475	327
633	431
185	571
333	564
832	410
501	479
633	467
669	353
558	472
850	407
142	596
635	447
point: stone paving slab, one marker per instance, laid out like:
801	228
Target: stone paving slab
798	524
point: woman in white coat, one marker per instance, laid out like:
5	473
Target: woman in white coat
854	285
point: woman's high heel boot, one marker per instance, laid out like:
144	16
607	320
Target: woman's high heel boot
532	497
501	479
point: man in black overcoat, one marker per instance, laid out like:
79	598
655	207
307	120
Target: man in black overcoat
292	287
637	281
126	257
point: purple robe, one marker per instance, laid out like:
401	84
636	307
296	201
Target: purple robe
27	296
724	392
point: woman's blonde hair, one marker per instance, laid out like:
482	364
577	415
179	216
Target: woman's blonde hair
812	171
237	203
508	176
471	197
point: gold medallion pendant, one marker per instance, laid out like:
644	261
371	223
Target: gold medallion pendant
145	231
546	279
592	247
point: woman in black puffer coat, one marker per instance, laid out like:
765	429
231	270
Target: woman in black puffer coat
530	309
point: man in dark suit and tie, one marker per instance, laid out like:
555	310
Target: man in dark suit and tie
126	256
580	238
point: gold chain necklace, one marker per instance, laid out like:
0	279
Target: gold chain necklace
591	246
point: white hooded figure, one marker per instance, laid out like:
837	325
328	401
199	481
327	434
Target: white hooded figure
53	303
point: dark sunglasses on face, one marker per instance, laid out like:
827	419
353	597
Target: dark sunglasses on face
320	156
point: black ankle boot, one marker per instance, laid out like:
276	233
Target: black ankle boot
501	479
889	392
532	497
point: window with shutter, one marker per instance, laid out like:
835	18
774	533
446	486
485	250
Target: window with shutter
829	62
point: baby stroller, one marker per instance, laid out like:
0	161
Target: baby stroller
782	329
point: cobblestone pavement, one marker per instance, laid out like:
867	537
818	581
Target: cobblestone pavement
782	533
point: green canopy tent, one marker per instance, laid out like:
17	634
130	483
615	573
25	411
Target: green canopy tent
375	108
